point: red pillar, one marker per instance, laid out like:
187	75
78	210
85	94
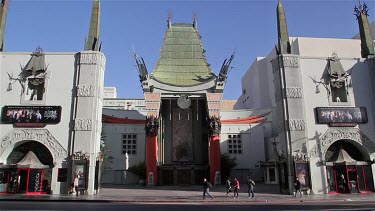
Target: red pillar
151	158
214	157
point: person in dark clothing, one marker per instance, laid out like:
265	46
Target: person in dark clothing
228	186
250	187
297	186
206	188
236	188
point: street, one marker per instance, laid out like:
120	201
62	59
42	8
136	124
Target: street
204	205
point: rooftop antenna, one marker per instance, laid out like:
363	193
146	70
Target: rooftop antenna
169	18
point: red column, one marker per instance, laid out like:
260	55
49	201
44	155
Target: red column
151	158
214	157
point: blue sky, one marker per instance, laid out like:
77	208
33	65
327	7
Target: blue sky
249	27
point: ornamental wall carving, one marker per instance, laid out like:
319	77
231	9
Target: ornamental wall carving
83	124
334	134
290	61
85	91
42	136
89	58
296	124
93	59
294	92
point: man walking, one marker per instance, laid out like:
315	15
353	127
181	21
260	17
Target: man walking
250	187
228	186
206	188
297	186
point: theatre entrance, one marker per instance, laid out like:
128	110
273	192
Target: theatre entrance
348	170
26	171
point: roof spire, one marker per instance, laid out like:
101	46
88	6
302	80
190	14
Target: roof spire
367	44
169	20
3	13
282	30
195	24
92	42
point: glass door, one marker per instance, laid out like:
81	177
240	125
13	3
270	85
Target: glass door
353	179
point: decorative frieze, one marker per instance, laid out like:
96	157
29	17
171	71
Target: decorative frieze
290	61
83	124
296	124
335	134
300	157
40	135
294	92
85	91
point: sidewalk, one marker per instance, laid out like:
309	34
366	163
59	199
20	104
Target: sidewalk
188	194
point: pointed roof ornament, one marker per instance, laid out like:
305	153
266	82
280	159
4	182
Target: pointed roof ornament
3	13
195	24
282	31
367	44
169	19
92	42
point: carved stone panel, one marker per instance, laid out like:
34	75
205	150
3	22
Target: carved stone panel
294	92
335	134
85	91
89	58
290	61
296	124
40	135
83	124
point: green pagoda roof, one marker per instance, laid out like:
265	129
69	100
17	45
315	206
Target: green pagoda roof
182	61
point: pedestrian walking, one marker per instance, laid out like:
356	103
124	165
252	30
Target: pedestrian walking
297	186
76	179
228	186
206	188
236	188
250	187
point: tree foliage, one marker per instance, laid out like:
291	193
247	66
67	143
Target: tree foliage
139	170
227	163
107	159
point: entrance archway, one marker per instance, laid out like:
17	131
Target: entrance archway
28	169
348	168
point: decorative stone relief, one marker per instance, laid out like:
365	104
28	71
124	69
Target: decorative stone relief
83	124
335	134
40	135
300	157
290	61
296	124
85	91
294	92
89	58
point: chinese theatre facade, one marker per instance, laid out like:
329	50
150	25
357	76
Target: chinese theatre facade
51	117
184	121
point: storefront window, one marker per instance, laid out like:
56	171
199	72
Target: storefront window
272	174
35	180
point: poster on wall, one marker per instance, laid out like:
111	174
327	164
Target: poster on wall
302	173
80	169
341	116
31	115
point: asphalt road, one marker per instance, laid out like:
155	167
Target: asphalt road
207	206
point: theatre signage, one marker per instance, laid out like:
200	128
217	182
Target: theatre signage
341	116
31	116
